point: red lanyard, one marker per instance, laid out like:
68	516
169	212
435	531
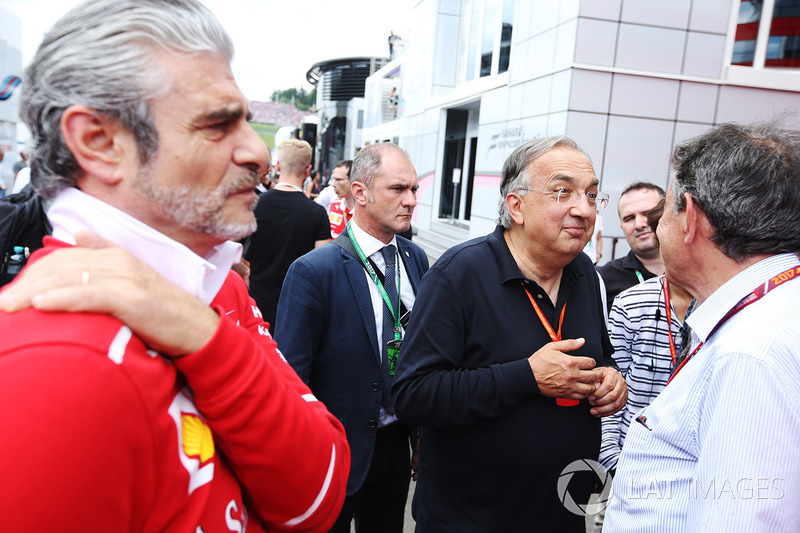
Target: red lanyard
668	309
555	337
756	295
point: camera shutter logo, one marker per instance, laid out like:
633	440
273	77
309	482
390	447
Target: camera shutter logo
584	465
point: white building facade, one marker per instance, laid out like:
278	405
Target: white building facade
627	79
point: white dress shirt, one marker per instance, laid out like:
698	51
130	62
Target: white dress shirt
719	448
22	179
73	210
372	249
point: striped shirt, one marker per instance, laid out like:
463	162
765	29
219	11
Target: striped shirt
638	331
719	448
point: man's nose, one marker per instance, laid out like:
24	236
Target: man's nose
250	150
583	207
410	198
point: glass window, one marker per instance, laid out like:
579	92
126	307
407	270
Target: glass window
743	52
749	11
474	31
782	48
784	33
786	8
489	32
783	51
505	36
746	33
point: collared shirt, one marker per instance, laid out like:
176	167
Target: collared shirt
73	210
621	273
718	448
372	249
639	331
22	179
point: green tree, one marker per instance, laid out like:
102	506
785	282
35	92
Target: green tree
301	99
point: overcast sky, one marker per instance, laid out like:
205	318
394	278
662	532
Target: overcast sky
276	41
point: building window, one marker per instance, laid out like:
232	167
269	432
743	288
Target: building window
783	47
505	35
767	34
743	52
488	32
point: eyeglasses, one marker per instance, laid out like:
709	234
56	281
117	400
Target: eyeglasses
571	197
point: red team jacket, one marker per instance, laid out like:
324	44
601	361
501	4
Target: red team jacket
339	216
99	433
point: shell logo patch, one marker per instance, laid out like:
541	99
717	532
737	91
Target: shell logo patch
198	443
195	442
336	218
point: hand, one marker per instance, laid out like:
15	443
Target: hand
564	376
611	394
99	277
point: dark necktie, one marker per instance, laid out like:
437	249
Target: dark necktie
388	326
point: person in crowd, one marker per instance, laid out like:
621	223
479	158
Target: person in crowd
393	99
594	248
342	208
646	327
719	443
648	330
507	363
23	161
311	185
289	225
327	196
141	391
340	320
392	40
643	261
265	182
3	184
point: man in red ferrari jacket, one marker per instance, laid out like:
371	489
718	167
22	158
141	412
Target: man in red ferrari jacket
140	388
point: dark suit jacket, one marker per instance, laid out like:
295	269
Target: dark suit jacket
325	327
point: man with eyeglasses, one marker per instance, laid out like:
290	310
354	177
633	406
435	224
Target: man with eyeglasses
504	405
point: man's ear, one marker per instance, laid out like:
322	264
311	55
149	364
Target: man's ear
360	192
99	144
695	223
514	207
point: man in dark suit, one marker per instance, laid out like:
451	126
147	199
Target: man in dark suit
335	327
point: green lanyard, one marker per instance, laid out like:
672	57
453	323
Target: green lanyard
379	285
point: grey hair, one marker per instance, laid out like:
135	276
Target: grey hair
746	179
367	162
100	54
515	174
